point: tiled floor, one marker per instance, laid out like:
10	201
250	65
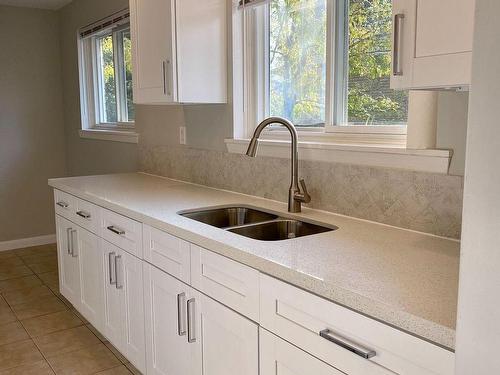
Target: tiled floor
40	332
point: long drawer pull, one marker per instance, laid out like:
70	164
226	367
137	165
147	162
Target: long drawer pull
62	204
73	244
191	314
83	214
397	69
347	344
181	314
117	284
116	230
111	261
68	234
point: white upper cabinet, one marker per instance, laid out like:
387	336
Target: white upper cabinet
179	51
432	43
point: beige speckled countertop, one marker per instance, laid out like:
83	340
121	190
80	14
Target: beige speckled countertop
406	279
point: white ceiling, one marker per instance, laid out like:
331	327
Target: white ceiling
41	4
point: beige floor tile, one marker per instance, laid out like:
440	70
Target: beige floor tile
7	254
16	297
116	352
132	369
7	273
19	353
84	361
45	324
99	335
80	316
44	267
37	250
37	368
66	341
10	262
63	299
51	279
20	283
12	332
6	314
43	306
37	258
120	370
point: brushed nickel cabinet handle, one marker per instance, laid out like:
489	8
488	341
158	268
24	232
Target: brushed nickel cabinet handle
73	244
347	344
116	230
62	204
117	284
111	261
164	72
181	314
68	234
83	214
397	69
191	324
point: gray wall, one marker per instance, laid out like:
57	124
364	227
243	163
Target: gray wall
31	121
86	156
478	326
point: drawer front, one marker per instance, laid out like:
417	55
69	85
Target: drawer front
122	232
167	252
229	282
299	317
64	204
87	215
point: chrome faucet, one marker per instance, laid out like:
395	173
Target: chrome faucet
295	195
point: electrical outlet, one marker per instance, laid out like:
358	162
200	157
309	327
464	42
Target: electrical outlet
182	135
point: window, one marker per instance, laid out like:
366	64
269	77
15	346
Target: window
106	75
321	63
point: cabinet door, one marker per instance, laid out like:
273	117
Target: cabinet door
129	281
167	348
69	272
90	260
152	31
228	342
113	321
278	357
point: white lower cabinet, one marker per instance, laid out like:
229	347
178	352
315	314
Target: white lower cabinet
69	270
88	252
279	357
124	305
188	333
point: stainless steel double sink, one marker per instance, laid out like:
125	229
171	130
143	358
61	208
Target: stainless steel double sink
257	224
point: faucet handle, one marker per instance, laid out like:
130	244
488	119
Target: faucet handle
303	196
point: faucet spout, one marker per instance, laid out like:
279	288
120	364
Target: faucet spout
295	195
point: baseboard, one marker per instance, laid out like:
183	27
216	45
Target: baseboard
27	242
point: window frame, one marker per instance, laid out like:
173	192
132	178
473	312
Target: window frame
91	83
256	72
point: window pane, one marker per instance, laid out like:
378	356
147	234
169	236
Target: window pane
297	61
127	55
370	99
108	79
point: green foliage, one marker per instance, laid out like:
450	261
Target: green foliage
298	62
108	72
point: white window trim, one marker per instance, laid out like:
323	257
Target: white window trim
377	145
91	126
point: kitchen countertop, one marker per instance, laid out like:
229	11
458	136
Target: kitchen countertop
406	279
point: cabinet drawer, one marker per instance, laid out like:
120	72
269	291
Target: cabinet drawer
229	282
64	204
168	253
299	317
122	232
86	214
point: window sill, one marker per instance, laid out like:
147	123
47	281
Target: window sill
376	155
110	135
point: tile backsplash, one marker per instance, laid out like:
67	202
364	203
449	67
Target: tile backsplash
426	202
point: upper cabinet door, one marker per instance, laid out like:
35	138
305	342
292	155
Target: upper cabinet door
152	24
179	51
432	43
